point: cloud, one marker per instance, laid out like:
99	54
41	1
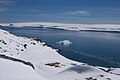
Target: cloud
2	10
4	3
77	13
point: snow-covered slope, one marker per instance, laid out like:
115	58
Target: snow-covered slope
10	70
96	27
48	63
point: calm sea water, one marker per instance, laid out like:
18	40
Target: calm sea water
96	48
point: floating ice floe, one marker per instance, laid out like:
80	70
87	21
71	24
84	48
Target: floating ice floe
65	42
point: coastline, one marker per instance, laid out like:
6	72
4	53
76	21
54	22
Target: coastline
34	54
74	27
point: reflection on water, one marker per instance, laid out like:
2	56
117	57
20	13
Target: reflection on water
97	48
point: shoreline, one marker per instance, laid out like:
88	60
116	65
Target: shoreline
62	26
59	51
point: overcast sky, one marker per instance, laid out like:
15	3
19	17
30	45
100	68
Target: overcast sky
65	11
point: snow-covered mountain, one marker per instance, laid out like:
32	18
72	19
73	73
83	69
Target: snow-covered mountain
27	59
78	27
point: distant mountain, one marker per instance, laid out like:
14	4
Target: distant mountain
77	27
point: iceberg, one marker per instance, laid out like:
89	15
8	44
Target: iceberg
65	42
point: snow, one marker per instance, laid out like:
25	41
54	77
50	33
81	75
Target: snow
65	42
48	63
77	27
10	70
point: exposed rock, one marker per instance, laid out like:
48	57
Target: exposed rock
16	60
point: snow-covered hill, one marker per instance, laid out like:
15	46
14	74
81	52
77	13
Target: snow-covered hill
48	63
10	70
78	27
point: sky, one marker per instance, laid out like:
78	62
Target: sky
61	11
